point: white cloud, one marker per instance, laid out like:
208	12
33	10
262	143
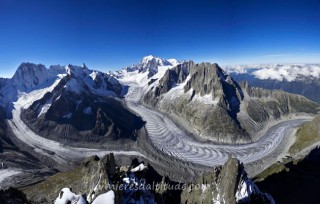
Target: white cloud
287	72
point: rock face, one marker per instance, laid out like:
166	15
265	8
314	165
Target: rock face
229	180
3	82
227	184
95	177
261	106
216	106
30	75
298	183
204	96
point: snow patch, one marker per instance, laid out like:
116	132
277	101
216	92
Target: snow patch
177	91
66	196
248	188
141	167
206	99
44	109
93	75
106	198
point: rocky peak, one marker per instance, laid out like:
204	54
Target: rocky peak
210	79
203	79
77	71
82	78
228	184
229	180
29	75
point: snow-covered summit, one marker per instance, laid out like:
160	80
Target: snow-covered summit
151	64
98	82
150	60
149	68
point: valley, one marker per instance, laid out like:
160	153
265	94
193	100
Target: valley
163	140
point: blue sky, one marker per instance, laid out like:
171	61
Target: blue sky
108	35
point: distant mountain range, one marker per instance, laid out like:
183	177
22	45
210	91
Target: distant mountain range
303	79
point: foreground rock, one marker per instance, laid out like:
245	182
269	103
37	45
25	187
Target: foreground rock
297	182
100	180
227	184
95	177
92	172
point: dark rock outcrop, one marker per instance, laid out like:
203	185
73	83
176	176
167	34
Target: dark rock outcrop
97	176
229	180
226	185
83	179
13	196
